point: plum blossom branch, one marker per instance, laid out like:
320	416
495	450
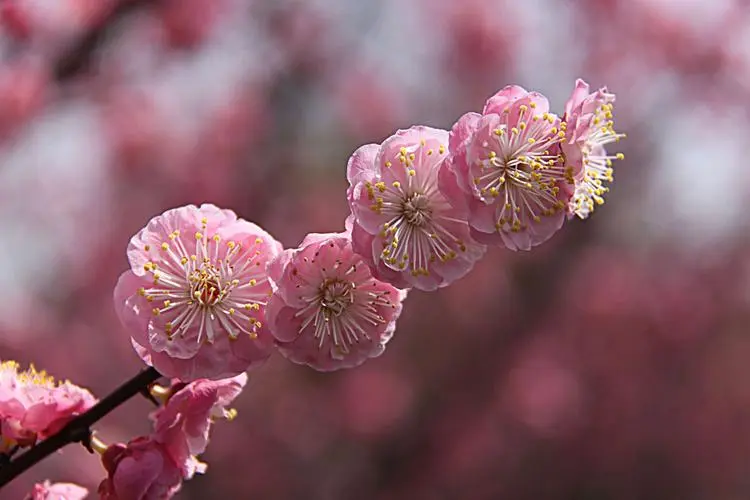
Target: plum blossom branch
78	429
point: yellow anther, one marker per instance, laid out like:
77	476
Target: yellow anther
396	184
441	149
388	164
253	282
165	246
198	236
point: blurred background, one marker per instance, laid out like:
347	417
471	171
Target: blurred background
611	363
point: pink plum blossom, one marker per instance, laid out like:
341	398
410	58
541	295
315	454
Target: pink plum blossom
186	418
403	225
328	311
194	299
33	406
588	129
509	169
144	470
57	491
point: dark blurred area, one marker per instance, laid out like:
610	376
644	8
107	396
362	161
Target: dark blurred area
611	363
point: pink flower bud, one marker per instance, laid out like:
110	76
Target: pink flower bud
144	470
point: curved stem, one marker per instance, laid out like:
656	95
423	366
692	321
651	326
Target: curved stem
78	429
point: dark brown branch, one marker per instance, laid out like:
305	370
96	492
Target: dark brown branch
77	430
77	59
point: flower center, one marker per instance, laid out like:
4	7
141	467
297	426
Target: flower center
522	171
416	209
209	290
206	286
335	296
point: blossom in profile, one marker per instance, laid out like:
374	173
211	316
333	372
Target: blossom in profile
328	311
509	169
185	420
194	299
589	127
143	469
33	406
403	225
57	491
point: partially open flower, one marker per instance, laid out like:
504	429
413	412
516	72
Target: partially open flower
589	127
194	299
144	470
509	169
186	418
57	491
328	311
33	406
403	225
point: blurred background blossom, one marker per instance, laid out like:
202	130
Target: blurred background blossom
610	363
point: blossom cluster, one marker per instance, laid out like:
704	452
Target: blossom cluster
209	296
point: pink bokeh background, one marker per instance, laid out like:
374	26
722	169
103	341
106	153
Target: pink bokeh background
609	363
